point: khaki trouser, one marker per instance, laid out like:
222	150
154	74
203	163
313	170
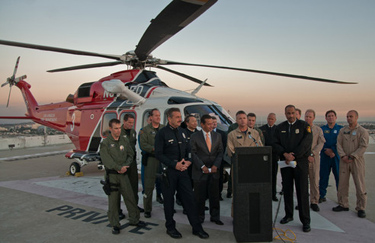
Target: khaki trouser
126	191
150	171
314	171
357	169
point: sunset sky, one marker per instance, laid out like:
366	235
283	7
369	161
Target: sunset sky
329	39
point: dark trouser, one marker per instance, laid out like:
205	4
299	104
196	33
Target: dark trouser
133	177
126	191
221	179
275	167
180	181
300	176
326	165
209	186
152	167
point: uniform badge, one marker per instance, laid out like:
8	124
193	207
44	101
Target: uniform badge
297	131
183	134
239	137
328	131
283	131
112	145
334	131
153	132
122	147
354	133
170	141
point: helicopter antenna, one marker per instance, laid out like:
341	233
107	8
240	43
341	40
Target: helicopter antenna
13	80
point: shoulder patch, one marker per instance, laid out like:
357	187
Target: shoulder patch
308	129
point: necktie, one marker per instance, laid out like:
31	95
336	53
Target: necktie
208	142
290	126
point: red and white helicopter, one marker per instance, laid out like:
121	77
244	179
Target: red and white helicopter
84	116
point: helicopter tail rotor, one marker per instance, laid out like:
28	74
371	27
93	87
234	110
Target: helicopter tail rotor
13	80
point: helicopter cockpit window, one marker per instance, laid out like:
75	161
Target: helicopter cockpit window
105	123
223	121
84	90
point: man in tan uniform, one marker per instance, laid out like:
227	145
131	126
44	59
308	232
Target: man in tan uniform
314	159
352	142
243	136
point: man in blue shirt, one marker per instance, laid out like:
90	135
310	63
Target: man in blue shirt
329	158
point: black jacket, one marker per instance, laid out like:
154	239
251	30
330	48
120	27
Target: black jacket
298	141
171	146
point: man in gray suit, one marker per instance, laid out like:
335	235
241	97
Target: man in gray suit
207	154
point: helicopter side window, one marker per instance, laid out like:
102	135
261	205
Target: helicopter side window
146	115
122	115
200	110
105	123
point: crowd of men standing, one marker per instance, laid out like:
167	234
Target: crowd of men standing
190	162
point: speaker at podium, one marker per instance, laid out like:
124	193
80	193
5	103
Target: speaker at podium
252	194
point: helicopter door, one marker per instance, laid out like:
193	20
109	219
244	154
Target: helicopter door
105	123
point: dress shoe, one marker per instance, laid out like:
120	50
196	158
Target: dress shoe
322	199
159	199
184	212
229	195
121	216
206	208
115	230
221	198
275	199
201	234
361	213
141	210
147	214
339	209
174	234
217	221
315	207
139	224
296	208
306	228
285	220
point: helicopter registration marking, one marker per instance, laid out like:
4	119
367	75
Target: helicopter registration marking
49	117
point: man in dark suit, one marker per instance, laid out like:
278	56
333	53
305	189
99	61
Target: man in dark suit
268	131
207	154
293	139
224	141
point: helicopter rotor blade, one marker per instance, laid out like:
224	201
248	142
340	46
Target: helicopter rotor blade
57	49
15	68
177	15
86	66
184	76
165	62
10	90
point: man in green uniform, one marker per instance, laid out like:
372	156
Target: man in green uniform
129	133
151	164
117	155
